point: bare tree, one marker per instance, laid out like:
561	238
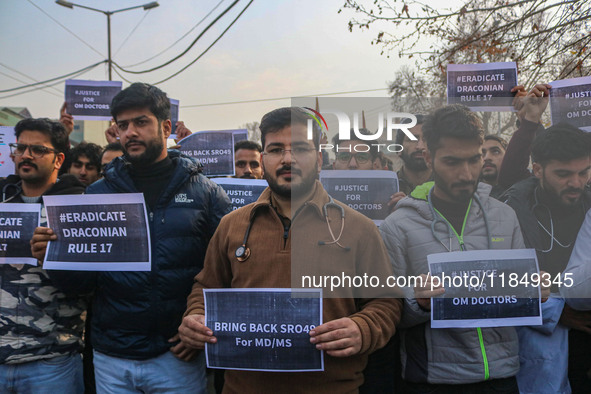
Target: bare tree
254	132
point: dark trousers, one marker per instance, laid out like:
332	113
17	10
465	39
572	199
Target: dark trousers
383	373
579	361
494	386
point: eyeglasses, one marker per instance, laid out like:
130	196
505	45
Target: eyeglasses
36	151
298	151
360	157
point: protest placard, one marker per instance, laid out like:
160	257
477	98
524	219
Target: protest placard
214	149
6	164
174	116
570	102
17	224
367	192
263	329
486	288
90	100
98	232
241	191
482	87
240	135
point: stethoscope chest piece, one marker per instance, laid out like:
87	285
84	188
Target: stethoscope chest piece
242	253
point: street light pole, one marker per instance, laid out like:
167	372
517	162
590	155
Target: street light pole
146	7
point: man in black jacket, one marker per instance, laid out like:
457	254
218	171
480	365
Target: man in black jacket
136	314
41	328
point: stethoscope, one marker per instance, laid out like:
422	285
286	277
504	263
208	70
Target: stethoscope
551	232
437	218
242	253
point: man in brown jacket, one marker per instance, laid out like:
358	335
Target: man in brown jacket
282	254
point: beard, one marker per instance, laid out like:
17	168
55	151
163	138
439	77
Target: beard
291	190
153	150
462	195
413	162
39	176
490	177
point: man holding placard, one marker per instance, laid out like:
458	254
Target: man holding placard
136	314
282	232
452	213
41	326
551	205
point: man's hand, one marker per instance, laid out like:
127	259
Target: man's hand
194	333
535	103
112	133
577	320
181	131
428	290
394	198
182	351
339	338
41	237
66	119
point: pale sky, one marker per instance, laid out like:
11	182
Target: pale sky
276	49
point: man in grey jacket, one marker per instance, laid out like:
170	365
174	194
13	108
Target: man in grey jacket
451	360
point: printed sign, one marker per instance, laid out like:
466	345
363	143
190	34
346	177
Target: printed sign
98	232
570	102
486	288
91	100
240	135
214	149
174	116
17	224
367	192
482	87
263	329
6	164
242	191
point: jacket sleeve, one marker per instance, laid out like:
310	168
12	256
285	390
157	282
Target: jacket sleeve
578	296
412	313
378	317
516	159
220	206
216	272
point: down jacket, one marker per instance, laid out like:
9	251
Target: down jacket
449	356
135	313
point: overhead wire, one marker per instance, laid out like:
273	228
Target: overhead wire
207	49
177	41
45	90
77	72
187	49
24	75
132	31
281	98
65	28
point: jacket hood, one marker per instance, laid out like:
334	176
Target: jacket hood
66	184
418	198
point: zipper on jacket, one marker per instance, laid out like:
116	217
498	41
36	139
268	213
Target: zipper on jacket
460	238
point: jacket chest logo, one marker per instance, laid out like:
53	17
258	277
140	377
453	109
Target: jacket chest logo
182	198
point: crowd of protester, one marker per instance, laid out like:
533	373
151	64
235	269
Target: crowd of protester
459	189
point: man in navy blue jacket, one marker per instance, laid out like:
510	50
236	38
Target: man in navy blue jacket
136	314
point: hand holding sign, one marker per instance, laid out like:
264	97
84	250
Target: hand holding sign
41	237
66	119
181	350
426	289
112	133
339	338
194	333
535	103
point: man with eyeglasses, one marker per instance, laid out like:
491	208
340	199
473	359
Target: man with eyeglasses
41	327
355	154
551	207
288	225
247	160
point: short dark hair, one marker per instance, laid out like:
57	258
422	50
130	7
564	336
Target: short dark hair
373	149
248	145
280	118
55	130
92	151
452	121
499	139
562	142
400	134
142	95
